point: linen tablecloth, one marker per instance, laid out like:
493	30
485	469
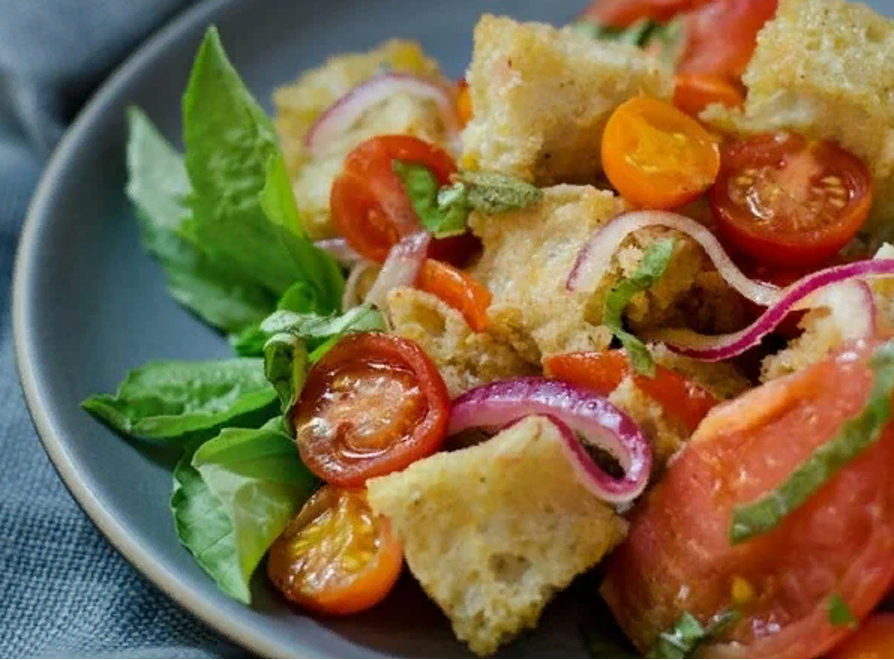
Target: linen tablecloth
63	589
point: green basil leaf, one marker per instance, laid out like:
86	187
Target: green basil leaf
840	613
684	637
441	212
158	185
174	401
300	297
855	436
233	497
654	263
492	192
237	172
667	41
285	364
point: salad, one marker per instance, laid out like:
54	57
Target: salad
616	303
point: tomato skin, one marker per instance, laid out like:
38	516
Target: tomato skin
678	555
458	289
694	92
873	639
368	203
372	405
602	372
335	557
774	200
623	13
657	156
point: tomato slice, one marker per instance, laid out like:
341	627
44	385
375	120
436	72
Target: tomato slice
369	206
457	289
874	639
336	556
374	404
678	555
657	156
721	36
602	372
623	13
694	92
784	200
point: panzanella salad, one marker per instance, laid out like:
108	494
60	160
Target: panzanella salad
617	303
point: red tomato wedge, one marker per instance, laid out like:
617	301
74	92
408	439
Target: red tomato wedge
787	201
678	555
721	36
874	639
657	156
623	13
694	92
458	289
336	556
602	372
372	405
369	206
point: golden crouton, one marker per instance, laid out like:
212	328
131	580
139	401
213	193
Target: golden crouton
465	358
825	68
822	336
541	97
299	104
493	531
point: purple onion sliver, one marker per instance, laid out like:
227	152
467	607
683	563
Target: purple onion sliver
340	251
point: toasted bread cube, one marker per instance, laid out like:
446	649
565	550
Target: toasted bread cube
541	97
465	358
493	531
825	68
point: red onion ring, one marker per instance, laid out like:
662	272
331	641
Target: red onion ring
346	110
340	251
401	267
594	259
575	410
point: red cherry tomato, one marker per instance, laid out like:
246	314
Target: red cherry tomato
622	13
873	639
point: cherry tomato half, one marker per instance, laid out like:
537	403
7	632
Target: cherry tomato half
336	556
602	372
873	639
657	156
372	405
369	206
694	92
458	289
678	556
623	13
784	200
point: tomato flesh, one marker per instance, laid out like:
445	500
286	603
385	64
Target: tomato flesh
602	372
457	289
786	201
874	639
336	556
623	13
374	404
657	156
694	92
678	556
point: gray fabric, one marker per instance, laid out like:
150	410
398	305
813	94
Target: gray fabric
63	589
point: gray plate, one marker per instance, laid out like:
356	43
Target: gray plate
88	305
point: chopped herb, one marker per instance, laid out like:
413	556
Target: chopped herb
855	436
839	612
443	215
654	263
492	192
684	637
636	34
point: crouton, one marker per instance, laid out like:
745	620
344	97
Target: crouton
529	253
299	104
825	68
822	335
541	97
493	531
465	358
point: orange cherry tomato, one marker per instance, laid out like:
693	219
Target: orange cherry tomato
602	372
873	639
336	556
678	556
623	13
787	201
694	92
457	289
369	205
372	405
657	156
463	102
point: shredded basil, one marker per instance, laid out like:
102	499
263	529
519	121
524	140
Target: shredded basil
840	613
636	34
492	192
683	638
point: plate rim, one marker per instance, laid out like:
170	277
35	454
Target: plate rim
118	535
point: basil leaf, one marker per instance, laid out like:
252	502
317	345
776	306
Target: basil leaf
174	401
285	365
233	497
855	436
492	192
316	329
157	185
237	172
441	214
299	297
654	263
684	637
839	612
636	34
667	41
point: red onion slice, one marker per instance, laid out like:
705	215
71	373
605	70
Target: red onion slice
837	287
340	251
401	268
577	410
339	117
594	259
